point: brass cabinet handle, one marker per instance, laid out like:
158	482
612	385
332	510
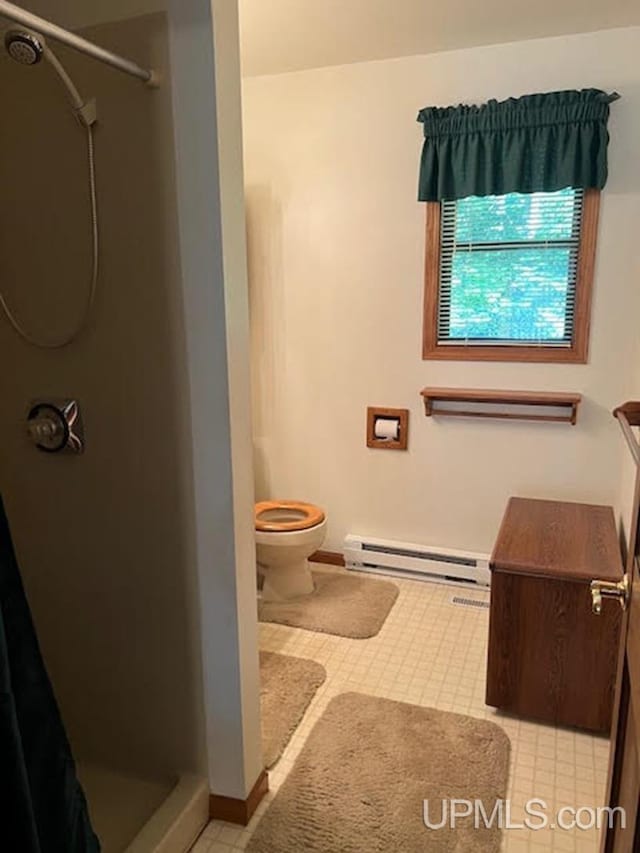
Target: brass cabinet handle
609	589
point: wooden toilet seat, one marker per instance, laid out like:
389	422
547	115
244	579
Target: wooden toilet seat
309	516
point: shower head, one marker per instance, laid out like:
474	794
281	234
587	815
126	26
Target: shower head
29	48
23	46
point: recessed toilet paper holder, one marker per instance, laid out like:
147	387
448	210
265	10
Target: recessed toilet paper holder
387	429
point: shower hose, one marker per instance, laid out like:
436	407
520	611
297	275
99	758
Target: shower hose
65	341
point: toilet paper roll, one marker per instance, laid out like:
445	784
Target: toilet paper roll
386	428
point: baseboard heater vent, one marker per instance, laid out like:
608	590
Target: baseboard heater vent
420	562
470	602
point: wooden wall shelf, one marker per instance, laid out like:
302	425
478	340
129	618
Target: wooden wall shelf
519	403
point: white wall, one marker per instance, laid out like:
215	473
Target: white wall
336	260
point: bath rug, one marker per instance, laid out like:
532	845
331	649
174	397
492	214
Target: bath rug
366	768
344	604
287	686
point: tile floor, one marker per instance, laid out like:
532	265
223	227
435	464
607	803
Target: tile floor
432	652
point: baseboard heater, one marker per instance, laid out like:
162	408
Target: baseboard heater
419	562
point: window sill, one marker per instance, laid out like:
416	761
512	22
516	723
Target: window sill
570	355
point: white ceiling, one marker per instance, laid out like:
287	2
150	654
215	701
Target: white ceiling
289	35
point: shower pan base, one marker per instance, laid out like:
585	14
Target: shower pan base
134	815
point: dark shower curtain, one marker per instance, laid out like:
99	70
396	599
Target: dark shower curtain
42	804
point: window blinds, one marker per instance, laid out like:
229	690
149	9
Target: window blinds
508	267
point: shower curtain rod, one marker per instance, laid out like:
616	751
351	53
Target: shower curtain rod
53	31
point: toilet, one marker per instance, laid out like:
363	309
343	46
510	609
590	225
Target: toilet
287	533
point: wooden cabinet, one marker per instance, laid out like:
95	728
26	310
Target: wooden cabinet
550	657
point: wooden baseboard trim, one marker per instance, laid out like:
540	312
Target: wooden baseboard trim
239	811
333	558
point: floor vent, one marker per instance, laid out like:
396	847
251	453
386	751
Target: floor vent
469	602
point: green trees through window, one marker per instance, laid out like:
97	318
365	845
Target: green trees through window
508	267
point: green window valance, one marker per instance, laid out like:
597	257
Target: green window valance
536	143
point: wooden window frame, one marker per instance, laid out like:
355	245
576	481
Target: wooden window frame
577	353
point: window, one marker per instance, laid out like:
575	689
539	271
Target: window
508	278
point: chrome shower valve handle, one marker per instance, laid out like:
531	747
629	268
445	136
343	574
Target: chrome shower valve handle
56	425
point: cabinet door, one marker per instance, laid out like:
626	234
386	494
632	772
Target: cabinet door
550	658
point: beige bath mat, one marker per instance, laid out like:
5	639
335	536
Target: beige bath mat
343	604
359	783
287	685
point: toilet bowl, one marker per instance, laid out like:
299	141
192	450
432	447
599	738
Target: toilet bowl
287	533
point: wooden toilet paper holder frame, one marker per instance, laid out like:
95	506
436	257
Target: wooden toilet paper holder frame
401	415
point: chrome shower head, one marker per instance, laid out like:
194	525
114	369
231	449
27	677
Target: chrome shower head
25	47
29	48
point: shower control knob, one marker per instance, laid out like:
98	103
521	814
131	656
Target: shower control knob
56	425
45	429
